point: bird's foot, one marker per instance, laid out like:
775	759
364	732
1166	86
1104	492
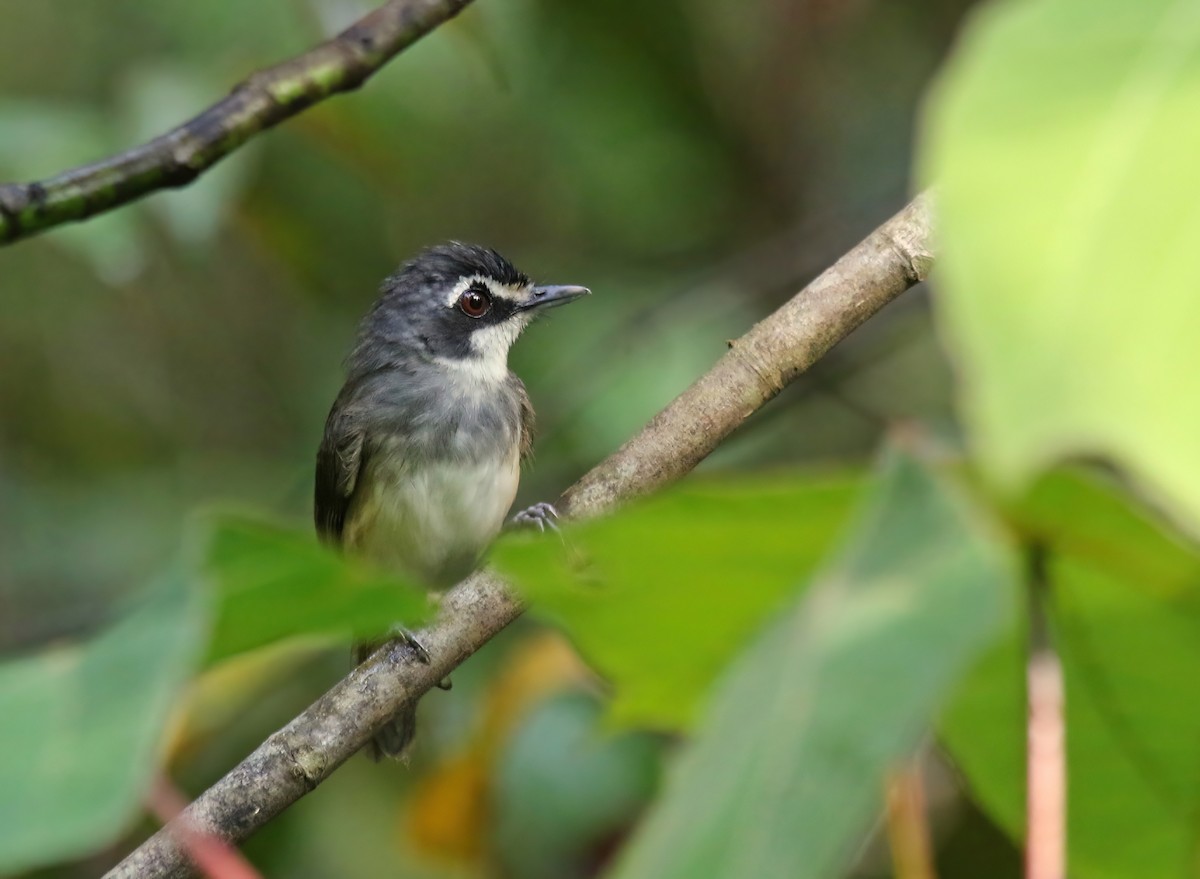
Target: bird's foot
540	516
409	640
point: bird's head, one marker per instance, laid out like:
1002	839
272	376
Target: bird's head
461	305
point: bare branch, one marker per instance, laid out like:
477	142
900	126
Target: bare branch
300	756
263	100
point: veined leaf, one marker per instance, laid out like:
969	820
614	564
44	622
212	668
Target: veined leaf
272	583
660	597
82	724
786	772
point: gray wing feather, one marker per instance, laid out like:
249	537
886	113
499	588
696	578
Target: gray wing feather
340	460
527	418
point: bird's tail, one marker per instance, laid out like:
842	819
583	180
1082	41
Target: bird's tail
395	736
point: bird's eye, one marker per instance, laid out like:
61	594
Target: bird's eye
474	303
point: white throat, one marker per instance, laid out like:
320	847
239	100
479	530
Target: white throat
484	371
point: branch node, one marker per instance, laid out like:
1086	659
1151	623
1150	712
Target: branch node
916	265
308	766
12	200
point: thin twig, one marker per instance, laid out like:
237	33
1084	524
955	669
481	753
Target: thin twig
1046	764
294	760
908	823
263	100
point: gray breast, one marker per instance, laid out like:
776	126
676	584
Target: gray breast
442	466
433	414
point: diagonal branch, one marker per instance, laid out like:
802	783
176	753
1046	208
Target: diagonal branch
263	100
297	758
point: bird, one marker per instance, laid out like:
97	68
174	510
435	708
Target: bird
421	453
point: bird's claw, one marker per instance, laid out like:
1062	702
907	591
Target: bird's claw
540	516
409	640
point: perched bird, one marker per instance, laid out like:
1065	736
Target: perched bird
422	448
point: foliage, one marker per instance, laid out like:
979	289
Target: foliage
692	162
1062	147
88	717
1062	142
786	772
679	583
1127	614
270	583
82	724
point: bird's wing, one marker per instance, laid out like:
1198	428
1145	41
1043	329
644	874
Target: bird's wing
527	422
340	460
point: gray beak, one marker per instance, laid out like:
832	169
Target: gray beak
548	297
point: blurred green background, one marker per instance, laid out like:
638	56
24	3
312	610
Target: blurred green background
694	162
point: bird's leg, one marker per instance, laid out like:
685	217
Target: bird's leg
540	516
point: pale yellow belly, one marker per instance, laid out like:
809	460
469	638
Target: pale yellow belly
433	522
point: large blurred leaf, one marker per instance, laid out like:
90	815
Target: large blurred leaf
81	723
786	772
660	597
272	583
1063	138
1127	615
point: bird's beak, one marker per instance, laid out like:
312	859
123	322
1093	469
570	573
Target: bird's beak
548	297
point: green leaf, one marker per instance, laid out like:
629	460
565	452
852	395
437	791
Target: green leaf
82	724
1063	139
1127	624
273	583
660	597
785	775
